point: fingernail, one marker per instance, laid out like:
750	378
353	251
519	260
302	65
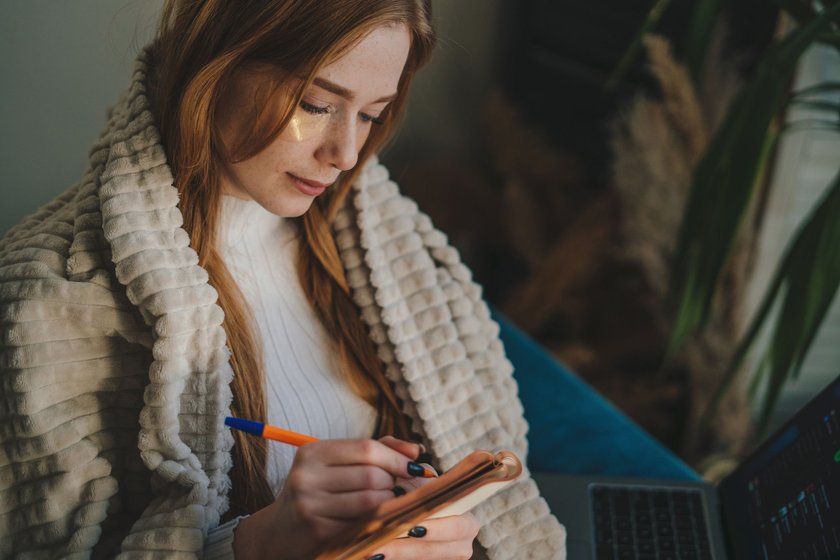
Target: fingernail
429	471
417	532
377	557
398	491
415	470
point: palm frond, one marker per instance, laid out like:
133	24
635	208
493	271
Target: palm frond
816	105
725	179
700	31
802	290
817	89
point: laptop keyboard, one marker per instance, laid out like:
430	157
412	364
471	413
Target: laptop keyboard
638	523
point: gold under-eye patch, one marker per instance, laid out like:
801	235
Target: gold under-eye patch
305	125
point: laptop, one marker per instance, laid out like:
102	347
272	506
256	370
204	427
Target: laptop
781	503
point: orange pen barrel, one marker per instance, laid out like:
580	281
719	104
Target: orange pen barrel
286	436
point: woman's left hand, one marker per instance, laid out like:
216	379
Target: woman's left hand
446	538
434	539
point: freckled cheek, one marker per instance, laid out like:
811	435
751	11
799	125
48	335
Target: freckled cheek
264	166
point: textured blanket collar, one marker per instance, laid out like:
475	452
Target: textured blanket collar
182	437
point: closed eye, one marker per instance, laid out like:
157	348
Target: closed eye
314	109
371	119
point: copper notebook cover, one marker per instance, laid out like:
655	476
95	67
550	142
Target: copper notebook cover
474	479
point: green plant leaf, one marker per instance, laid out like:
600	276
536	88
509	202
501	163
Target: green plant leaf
635	48
803	289
699	34
801	125
724	181
823	87
830	39
813	278
816	105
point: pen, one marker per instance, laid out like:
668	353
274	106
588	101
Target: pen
266	431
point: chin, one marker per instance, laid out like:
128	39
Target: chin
290	210
298	214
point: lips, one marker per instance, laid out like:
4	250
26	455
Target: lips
308	186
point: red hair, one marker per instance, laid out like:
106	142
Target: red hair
199	47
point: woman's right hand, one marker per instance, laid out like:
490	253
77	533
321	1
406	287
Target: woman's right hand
331	486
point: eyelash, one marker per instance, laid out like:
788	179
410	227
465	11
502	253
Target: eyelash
371	119
316	110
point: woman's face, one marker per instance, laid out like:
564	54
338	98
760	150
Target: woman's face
327	131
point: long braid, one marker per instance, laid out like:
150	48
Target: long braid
322	277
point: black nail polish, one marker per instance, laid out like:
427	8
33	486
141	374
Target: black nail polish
398	491
417	532
377	557
415	470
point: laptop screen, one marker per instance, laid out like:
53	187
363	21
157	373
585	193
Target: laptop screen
783	502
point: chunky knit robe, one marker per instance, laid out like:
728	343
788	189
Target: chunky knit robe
115	374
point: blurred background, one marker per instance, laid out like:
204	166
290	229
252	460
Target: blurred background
572	152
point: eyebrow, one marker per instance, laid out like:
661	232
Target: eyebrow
342	91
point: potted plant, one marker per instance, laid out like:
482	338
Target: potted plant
724	185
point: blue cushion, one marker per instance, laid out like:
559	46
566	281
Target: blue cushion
573	429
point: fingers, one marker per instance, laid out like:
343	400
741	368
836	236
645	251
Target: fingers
451	528
445	538
334	483
347	492
409	484
359	452
346	505
348	478
407	448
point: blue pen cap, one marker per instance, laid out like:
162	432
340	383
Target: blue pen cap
241	424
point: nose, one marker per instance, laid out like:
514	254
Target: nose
341	145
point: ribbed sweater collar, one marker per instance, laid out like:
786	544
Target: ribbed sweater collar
245	221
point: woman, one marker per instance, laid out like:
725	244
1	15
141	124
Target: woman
235	249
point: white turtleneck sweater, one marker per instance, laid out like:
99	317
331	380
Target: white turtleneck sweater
304	390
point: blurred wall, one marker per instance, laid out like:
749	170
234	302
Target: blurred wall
63	63
448	95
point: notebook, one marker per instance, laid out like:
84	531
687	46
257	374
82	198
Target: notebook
781	503
474	479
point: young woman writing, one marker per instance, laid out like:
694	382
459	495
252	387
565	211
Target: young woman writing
236	249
